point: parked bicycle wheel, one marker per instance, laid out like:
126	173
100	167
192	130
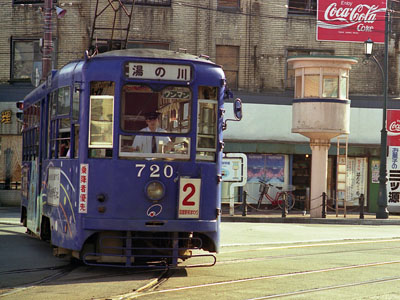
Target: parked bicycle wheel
290	200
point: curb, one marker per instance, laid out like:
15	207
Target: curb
309	221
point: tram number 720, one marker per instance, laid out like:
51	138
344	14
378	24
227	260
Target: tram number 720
189	198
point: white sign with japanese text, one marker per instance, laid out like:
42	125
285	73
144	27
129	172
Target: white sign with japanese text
139	70
53	186
232	169
356	179
189	198
83	188
393	183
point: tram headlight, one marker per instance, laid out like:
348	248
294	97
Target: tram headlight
155	190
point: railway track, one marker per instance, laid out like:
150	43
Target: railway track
163	290
245	271
199	287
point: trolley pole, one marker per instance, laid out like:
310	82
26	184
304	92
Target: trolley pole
47	39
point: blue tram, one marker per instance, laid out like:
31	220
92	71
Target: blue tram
122	157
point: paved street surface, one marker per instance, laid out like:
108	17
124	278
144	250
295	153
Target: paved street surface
256	261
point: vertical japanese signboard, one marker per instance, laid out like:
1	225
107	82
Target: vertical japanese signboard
393	164
393	183
351	21
83	186
357	168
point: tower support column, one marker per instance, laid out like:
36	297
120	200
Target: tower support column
319	174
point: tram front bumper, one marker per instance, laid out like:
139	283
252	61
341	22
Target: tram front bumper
150	225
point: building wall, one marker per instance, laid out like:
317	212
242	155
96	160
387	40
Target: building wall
262	29
365	125
10	144
10	158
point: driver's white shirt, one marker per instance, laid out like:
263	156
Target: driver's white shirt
144	141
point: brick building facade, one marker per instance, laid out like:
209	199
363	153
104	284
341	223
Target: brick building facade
251	38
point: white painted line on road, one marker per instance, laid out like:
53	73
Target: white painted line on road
306	245
269	277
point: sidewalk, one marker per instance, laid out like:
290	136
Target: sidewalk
295	216
11	215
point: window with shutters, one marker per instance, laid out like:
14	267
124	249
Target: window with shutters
228	4
149	2
308	7
16	2
228	58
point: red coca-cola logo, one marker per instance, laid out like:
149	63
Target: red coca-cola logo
360	13
394	126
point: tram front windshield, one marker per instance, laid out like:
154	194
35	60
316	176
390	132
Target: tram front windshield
152	116
154	124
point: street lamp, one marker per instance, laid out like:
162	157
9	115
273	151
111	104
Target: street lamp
382	212
368	47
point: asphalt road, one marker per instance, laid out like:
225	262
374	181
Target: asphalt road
256	261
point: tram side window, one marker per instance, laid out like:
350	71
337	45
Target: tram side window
59	130
64	138
101	119
63	101
31	132
207	123
75	118
75	102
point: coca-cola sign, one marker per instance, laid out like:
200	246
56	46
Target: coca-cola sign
393	127
351	21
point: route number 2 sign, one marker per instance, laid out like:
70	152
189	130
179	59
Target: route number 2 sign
189	198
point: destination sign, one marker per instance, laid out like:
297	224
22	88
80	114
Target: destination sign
139	70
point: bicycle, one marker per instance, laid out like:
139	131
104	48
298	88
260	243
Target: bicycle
280	197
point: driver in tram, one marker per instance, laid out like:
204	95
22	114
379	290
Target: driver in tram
150	144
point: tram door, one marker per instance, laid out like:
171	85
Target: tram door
33	143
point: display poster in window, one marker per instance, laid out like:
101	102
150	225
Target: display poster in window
375	164
393	183
356	180
351	21
393	127
264	167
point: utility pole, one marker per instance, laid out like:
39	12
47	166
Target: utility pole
47	39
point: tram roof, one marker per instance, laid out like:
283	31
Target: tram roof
155	53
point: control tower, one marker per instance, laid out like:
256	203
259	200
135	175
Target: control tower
321	111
